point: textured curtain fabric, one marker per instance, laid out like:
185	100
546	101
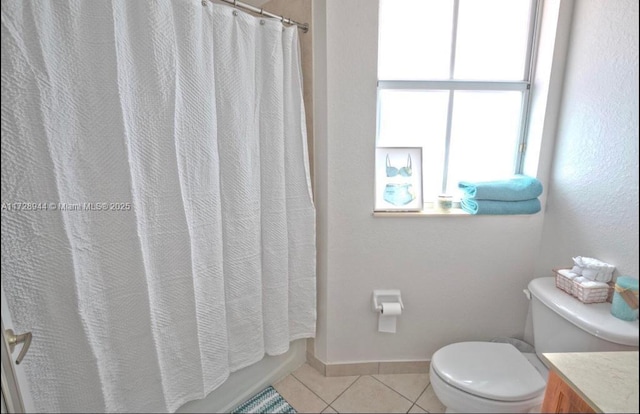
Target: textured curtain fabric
158	230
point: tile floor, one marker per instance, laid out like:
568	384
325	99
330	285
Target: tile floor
308	391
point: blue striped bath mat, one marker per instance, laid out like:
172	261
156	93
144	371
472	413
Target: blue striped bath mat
266	401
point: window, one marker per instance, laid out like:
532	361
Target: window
454	79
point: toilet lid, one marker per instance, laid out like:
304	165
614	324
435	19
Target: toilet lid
490	370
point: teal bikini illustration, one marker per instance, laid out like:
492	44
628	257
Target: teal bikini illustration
399	194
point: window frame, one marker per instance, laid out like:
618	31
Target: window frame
452	85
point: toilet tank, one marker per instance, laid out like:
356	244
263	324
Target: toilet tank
561	323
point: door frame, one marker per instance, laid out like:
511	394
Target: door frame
10	388
15	388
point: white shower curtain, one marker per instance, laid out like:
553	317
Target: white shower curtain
158	230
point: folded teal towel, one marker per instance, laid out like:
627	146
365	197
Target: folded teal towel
518	188
474	206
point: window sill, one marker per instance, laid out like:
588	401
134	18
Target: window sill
429	209
427	212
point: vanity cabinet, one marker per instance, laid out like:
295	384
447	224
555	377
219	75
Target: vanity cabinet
559	397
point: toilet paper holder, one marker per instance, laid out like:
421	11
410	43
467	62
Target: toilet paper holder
385	295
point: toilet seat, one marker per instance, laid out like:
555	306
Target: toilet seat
495	371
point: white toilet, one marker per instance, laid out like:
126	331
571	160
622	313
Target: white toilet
493	377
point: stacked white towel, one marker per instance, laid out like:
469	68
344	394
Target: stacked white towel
589	283
569	274
582	280
592	269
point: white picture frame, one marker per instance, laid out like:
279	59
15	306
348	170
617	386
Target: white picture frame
398	179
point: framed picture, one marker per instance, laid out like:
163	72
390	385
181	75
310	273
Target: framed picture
398	179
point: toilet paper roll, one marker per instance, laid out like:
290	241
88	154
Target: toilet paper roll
391	308
388	316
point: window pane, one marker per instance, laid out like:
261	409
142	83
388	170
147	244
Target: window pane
484	136
492	39
414	39
416	119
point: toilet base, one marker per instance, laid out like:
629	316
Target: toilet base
535	410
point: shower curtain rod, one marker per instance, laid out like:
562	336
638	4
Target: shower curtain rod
262	12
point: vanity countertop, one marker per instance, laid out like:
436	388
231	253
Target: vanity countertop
607	381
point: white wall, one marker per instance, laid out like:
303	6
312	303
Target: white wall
592	204
461	276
